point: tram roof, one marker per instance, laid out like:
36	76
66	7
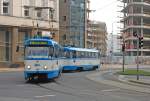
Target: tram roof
80	49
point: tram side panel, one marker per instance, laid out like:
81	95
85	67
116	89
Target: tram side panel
82	64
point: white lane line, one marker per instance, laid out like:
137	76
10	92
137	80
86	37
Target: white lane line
20	85
110	90
44	96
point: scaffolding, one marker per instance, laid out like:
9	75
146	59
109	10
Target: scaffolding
136	20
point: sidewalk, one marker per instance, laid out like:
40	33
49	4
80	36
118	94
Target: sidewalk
143	80
98	77
107	75
7	69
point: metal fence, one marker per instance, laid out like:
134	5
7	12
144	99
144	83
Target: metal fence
128	60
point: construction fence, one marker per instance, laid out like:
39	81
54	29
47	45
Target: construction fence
128	60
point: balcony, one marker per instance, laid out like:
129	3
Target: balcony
25	22
146	4
145	26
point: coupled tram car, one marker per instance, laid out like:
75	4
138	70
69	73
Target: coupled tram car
42	59
81	59
45	59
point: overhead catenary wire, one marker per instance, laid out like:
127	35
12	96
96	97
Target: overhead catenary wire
107	5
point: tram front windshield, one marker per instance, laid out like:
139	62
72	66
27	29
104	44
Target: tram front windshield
37	52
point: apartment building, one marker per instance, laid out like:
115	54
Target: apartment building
97	36
136	20
114	44
20	20
72	22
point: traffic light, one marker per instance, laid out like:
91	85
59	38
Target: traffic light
140	42
135	34
123	47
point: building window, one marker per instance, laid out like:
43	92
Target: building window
26	12
64	18
65	1
5	7
39	13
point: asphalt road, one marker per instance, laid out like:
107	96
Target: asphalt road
70	87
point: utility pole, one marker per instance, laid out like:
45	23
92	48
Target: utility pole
123	51
137	58
139	45
112	42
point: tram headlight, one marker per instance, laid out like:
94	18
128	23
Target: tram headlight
45	67
28	67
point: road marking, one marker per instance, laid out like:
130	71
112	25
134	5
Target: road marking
110	90
44	96
20	85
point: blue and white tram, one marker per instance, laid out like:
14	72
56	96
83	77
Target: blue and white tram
42	59
81	59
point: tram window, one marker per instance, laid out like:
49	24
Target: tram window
82	54
93	54
56	51
60	52
96	55
64	54
71	55
51	51
86	54
99	55
74	54
67	54
77	54
89	54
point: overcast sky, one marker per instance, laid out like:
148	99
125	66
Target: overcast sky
106	11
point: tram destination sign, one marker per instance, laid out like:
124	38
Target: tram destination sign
38	43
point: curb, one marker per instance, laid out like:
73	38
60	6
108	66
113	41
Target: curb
122	78
94	77
3	70
139	82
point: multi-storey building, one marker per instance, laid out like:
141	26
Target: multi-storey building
136	21
113	44
72	22
97	36
21	19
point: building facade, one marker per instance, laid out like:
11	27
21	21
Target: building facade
114	44
72	22
97	36
136	21
20	20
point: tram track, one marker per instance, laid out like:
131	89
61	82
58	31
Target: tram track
57	91
68	90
